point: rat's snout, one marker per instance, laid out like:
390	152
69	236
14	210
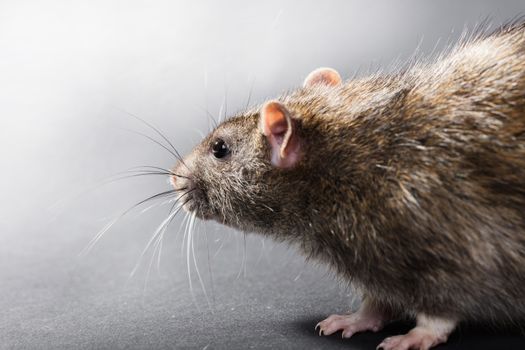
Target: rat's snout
181	178
184	183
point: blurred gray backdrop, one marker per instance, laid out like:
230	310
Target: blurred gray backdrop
71	75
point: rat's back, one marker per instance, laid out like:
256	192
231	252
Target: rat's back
455	171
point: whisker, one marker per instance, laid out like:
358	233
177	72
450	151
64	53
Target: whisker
158	244
195	263
111	179
188	246
130	176
155	245
245	254
99	235
174	154
225	102
262	251
151	167
210	116
156	238
154	129
220	112
243	261
156	205
250	94
142	172
159	249
145	172
220	247
137	173
184	231
162	236
153	238
201	134
209	265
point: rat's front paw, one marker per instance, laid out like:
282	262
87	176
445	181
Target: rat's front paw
429	332
351	324
418	338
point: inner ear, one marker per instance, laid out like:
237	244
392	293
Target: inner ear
280	130
323	76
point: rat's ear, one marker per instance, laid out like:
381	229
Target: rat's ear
280	130
323	76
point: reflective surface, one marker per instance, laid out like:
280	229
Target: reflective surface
75	73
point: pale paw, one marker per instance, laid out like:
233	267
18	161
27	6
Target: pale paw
350	324
418	338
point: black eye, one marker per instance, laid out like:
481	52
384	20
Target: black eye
220	149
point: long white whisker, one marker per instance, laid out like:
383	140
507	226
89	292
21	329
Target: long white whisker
243	261
245	254
185	225
99	234
196	265
150	264
155	205
188	251
152	239
159	253
262	251
220	112
201	134
105	181
209	265
220	247
158	244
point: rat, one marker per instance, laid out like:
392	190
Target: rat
409	185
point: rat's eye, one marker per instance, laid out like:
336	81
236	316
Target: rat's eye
220	149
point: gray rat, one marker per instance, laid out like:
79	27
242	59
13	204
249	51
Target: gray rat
410	186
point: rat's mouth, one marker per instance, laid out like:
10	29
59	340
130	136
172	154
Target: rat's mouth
202	211
193	198
190	206
193	202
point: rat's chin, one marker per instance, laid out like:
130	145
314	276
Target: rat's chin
200	212
189	206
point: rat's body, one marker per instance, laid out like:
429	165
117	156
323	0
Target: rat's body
411	186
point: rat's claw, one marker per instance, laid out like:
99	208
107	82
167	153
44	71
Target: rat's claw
320	328
350	324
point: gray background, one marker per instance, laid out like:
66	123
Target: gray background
71	72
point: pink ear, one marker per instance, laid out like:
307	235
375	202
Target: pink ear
280	130
323	76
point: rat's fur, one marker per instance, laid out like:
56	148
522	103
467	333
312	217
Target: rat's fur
410	185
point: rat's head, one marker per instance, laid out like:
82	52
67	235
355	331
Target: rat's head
251	172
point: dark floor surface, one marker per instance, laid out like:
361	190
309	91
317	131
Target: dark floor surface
53	299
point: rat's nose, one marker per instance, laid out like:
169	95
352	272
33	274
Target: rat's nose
176	176
184	184
181	176
174	181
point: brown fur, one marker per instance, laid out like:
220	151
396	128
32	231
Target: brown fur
411	185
